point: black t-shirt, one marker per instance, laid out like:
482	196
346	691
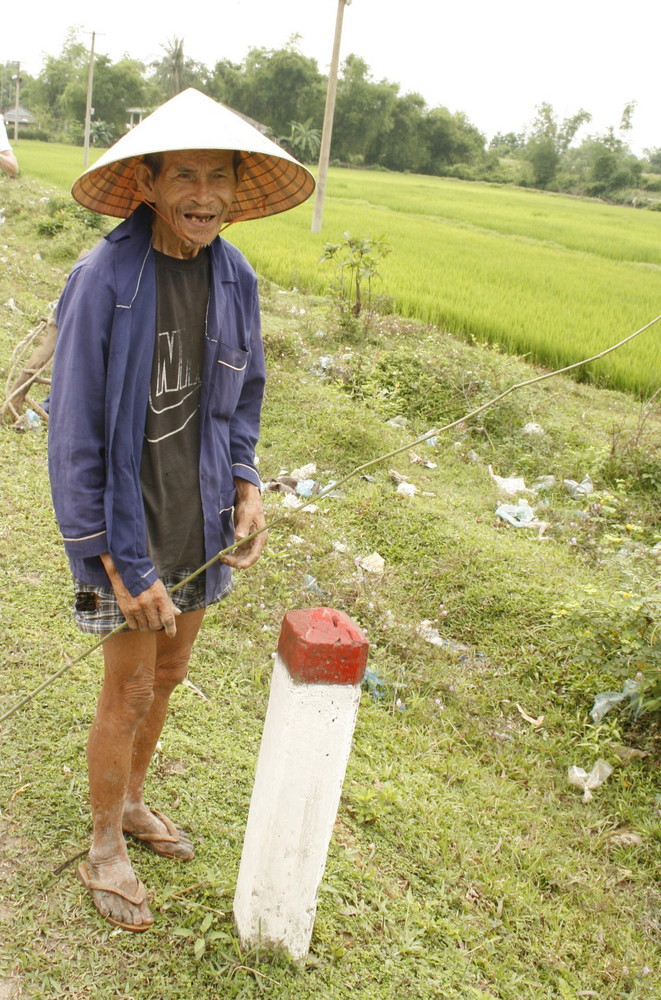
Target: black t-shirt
169	471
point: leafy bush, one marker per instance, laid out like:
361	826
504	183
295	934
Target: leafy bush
616	637
64	214
68	228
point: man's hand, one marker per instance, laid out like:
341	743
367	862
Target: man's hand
151	610
248	517
8	163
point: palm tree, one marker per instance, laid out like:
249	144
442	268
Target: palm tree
303	140
170	69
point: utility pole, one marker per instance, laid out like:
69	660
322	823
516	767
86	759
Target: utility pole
324	152
88	107
16	102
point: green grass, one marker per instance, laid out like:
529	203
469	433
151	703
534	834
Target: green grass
52	162
558	304
556	278
463	865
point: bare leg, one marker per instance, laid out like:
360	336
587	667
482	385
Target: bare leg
172	656
125	699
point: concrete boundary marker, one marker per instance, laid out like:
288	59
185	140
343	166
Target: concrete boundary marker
308	730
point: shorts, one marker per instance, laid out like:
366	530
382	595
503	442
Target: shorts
96	611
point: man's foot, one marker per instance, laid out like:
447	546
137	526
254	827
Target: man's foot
158	833
119	896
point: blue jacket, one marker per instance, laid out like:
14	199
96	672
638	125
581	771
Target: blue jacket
106	322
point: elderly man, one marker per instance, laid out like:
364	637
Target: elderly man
8	162
154	417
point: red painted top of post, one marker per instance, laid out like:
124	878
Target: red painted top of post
322	646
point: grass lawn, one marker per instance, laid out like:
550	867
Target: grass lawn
463	866
552	277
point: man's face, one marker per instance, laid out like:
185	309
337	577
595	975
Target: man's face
192	195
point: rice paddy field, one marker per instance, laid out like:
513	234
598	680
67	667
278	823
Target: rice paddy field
553	278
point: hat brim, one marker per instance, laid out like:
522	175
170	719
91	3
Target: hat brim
272	180
269	184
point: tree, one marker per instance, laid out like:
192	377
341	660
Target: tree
303	140
358	257
549	140
604	163
404	146
117	87
507	144
274	86
653	157
364	112
450	139
175	72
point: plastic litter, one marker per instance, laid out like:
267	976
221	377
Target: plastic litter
407	489
292	502
609	699
581	489
510	485
334	494
588	782
28	421
306	487
305	472
532	428
323	364
373	563
397	477
313	587
543	483
430	634
374	685
519	514
33	420
419	460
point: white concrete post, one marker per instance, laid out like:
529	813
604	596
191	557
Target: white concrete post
313	703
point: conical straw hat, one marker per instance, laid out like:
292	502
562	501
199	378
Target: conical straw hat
273	181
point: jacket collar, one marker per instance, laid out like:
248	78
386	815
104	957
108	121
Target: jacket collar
137	229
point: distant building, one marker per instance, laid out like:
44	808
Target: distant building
25	117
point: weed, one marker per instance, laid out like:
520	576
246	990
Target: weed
356	260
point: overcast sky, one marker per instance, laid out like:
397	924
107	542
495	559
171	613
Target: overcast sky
495	62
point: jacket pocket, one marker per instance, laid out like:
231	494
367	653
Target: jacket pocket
229	373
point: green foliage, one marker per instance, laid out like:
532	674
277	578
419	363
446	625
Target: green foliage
303	140
558	279
175	71
635	456
616	636
68	228
356	259
58	95
66	214
273	86
507	144
372	804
